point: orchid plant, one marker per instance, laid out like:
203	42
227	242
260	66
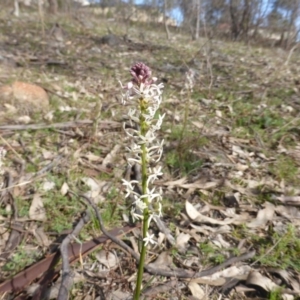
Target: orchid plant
145	97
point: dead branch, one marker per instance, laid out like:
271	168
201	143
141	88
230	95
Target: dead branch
101	124
67	277
163	288
107	233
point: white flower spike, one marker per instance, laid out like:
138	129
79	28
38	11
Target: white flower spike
146	96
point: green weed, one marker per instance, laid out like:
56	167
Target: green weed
276	294
182	159
279	250
285	168
19	260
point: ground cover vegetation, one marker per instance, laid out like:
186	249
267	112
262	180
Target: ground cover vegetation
230	195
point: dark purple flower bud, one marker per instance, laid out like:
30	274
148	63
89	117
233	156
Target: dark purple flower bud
141	74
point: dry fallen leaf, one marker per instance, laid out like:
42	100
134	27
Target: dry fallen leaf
37	210
182	241
92	157
219	241
64	189
291	213
110	157
289	199
196	290
47	155
174	183
288	277
263	216
41	237
198	217
163	261
95	189
255	278
108	259
231	272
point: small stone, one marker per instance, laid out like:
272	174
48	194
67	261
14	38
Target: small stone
25	96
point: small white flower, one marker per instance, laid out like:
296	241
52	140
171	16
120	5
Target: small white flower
133	115
149	239
129	185
140	205
135	215
151	195
155	172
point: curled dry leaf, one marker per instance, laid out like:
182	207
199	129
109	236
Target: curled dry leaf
191	210
108	259
163	261
255	278
287	277
295	200
290	213
182	241
220	278
95	189
91	183
37	210
231	272
198	217
263	216
110	157
41	237
220	242
174	183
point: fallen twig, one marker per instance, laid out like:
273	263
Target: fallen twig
67	278
181	273
163	288
101	124
17	233
107	233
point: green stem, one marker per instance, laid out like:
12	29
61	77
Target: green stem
139	280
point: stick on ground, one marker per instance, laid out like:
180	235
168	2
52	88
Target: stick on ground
67	276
